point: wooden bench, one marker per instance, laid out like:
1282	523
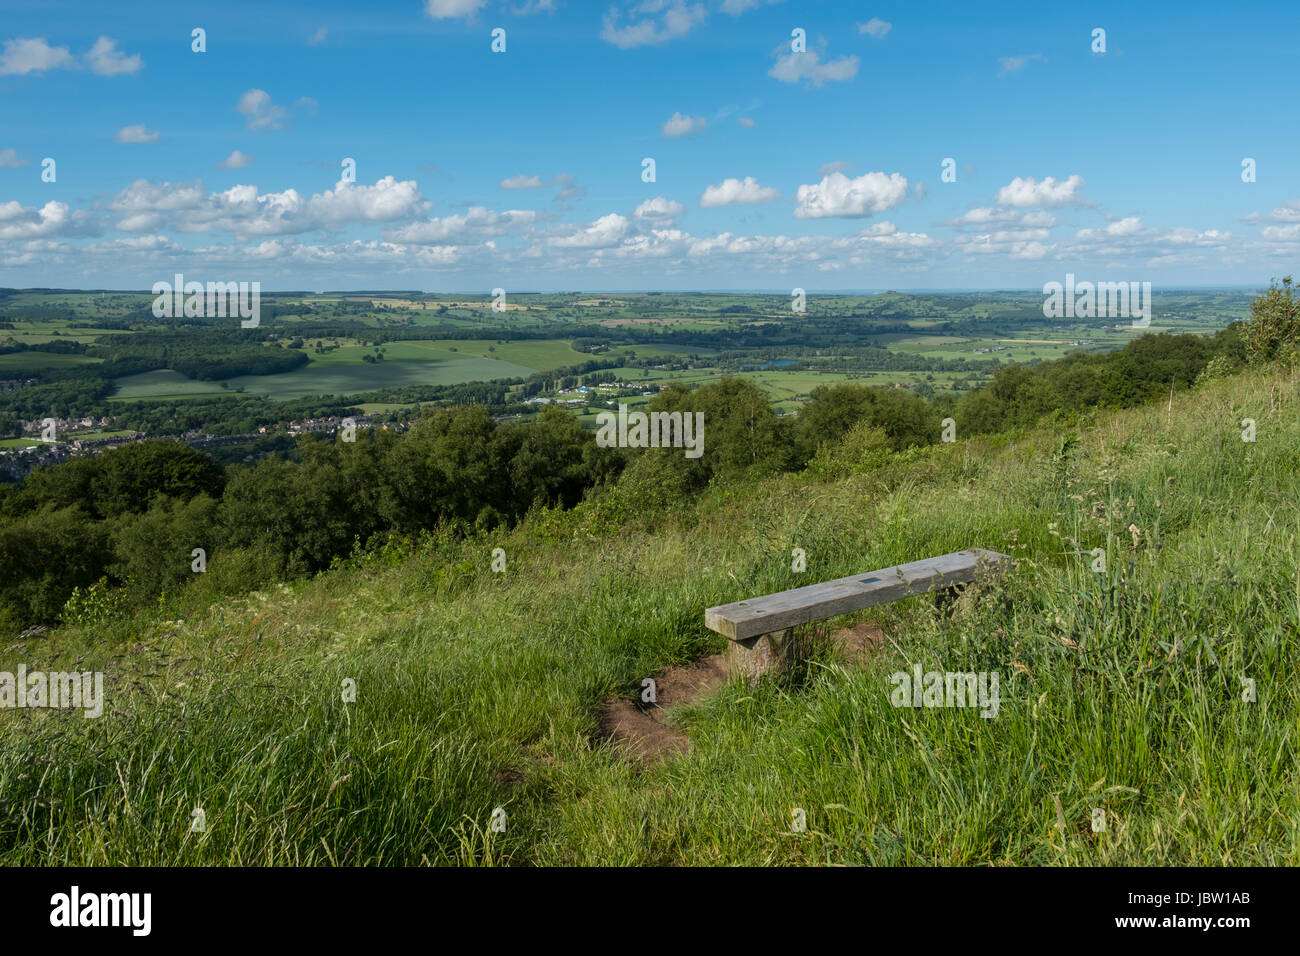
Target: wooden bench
761	628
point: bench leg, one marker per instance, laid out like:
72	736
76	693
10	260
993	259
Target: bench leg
764	654
959	598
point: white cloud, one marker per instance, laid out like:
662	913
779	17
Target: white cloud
244	211
875	27
1129	226
838	195
143	195
479	223
140	222
746	122
450	9
980	216
236	160
679	125
661	21
387	200
731	191
807	66
53	219
1281	233
1028	191
137	134
659	208
1028	250
105	59
9	159
34	55
1014	64
1288	211
261	113
1039	217
603	233
317	38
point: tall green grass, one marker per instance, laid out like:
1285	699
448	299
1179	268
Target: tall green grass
1121	691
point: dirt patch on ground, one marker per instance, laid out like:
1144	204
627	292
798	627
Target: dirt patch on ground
642	729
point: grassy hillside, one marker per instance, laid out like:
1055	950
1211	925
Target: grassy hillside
1121	691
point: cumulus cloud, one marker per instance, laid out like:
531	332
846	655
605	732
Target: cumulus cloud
1281	233
137	134
53	219
793	67
236	160
1288	211
731	191
145	196
838	195
875	27
259	111
603	233
680	125
245	211
105	59
1027	191
1128	226
34	55
659	208
651	22
476	224
1039	217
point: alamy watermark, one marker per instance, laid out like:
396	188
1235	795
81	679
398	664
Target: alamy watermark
1100	300
946	689
130	910
216	300
652	430
71	690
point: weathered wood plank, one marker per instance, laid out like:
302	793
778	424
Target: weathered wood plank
815	602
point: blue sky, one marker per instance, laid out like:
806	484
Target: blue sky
523	170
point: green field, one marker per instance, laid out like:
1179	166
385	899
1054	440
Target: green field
21	363
163	383
344	373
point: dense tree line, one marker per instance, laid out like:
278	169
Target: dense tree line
134	515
